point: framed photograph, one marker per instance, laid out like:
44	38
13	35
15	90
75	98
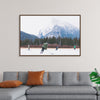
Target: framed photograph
49	35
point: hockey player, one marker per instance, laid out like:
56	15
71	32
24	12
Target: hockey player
74	47
44	47
28	47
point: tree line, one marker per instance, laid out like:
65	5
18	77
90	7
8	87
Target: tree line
53	40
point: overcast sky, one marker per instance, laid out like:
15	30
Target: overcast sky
36	24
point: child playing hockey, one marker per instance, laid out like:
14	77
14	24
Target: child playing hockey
44	47
74	47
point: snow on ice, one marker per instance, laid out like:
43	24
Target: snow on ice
36	51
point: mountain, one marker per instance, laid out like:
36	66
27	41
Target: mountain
68	31
40	35
24	35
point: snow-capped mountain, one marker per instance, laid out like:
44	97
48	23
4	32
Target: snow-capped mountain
68	31
40	35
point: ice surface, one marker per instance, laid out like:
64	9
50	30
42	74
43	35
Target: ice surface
51	51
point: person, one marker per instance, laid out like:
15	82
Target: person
74	47
56	47
28	47
44	47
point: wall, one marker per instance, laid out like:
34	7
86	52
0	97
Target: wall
9	35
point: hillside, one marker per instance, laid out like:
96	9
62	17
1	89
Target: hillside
24	35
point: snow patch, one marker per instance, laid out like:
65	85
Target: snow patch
35	51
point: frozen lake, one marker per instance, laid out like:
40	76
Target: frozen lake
49	51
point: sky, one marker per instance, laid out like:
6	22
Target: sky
36	24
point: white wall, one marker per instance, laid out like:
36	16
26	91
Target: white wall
9	35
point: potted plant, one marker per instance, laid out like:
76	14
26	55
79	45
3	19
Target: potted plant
95	77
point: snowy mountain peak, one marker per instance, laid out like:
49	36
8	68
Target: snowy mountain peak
40	35
68	31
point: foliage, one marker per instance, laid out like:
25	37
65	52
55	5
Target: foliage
26	42
52	40
94	77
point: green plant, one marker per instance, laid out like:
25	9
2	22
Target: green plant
95	77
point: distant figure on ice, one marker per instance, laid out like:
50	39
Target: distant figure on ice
56	47
74	47
28	47
44	47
